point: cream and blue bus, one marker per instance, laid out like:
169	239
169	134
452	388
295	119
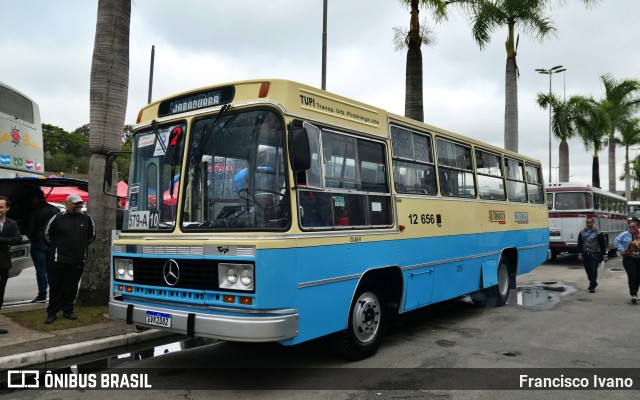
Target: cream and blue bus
269	210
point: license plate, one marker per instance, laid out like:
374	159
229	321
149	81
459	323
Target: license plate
158	319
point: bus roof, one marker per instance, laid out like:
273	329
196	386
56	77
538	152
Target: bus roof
300	99
574	186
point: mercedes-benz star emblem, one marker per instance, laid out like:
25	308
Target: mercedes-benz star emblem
171	272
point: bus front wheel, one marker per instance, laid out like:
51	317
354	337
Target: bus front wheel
364	332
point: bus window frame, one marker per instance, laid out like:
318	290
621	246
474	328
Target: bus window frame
501	176
413	161
440	167
338	195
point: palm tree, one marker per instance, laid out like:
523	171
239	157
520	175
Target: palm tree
635	174
629	136
488	16
592	124
621	100
413	40
562	127
108	97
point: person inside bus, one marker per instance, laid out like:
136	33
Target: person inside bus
592	250
628	245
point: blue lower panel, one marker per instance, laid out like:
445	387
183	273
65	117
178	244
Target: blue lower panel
328	275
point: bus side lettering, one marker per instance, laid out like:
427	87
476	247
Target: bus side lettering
426	219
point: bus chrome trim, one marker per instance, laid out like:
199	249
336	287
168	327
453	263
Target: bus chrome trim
236	328
215	308
416	266
329	280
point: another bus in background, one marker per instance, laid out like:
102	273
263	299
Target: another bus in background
21	145
633	209
569	203
21	155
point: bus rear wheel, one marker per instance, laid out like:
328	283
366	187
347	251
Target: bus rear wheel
364	332
497	295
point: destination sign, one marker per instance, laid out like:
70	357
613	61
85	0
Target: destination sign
196	101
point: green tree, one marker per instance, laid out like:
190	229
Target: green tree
562	126
592	124
412	40
629	136
488	16
620	102
109	85
65	152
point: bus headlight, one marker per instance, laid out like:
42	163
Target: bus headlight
123	269
246	277
235	276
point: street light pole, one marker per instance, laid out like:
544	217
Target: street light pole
550	71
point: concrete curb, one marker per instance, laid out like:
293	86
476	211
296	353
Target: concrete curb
17	361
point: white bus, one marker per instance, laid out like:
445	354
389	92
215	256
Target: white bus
633	209
571	203
21	154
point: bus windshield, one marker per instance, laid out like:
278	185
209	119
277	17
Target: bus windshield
236	173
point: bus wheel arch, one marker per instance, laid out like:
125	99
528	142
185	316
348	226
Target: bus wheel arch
498	294
376	296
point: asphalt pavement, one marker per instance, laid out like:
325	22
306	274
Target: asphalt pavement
23	347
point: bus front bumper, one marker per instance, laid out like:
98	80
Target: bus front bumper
250	328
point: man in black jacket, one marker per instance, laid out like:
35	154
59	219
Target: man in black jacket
69	233
592	250
9	235
41	214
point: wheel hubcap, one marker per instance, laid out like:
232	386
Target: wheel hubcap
366	317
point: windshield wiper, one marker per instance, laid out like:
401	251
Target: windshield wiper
208	133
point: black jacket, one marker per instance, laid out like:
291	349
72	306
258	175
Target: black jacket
9	236
602	243
70	235
40	217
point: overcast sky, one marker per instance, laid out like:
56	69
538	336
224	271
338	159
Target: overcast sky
47	47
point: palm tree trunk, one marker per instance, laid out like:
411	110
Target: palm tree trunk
563	152
511	97
413	103
595	170
612	163
109	87
627	175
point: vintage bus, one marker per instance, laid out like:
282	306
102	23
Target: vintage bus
633	209
570	203
270	210
21	154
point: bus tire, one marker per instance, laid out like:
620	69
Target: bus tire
497	295
365	329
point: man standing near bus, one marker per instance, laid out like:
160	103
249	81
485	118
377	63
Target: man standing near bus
592	249
9	235
41	213
69	233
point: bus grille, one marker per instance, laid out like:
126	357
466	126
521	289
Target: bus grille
194	274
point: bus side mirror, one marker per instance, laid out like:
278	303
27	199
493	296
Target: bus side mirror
300	153
108	169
